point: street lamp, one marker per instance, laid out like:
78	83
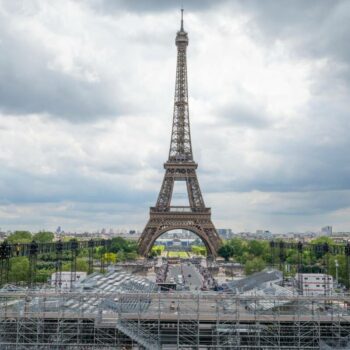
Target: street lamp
336	270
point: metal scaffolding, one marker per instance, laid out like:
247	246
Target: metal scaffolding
57	320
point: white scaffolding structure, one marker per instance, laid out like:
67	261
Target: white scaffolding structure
56	320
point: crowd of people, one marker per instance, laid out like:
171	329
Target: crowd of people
209	281
162	272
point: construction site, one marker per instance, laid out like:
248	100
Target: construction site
171	303
118	310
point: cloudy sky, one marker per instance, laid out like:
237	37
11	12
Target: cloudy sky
86	94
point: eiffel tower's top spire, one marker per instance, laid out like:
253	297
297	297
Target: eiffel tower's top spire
180	146
182	20
181	37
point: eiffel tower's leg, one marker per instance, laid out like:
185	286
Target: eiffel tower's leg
147	238
212	236
166	192
194	193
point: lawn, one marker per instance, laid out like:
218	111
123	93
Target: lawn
182	255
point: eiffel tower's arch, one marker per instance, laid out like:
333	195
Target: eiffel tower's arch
146	245
195	217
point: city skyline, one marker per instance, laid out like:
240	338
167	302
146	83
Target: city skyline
84	128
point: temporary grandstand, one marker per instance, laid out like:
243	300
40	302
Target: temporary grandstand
255	280
121	311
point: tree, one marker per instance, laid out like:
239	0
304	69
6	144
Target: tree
226	251
82	264
19	269
292	256
199	250
258	248
157	250
322	242
323	239
20	237
121	256
238	246
110	258
44	237
119	243
254	265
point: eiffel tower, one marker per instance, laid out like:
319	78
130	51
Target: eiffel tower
180	167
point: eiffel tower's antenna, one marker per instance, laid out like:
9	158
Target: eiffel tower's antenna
182	20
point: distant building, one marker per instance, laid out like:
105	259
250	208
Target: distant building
66	278
3	235
263	234
314	283
326	231
225	232
178	242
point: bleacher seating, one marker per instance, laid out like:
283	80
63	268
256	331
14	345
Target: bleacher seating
124	293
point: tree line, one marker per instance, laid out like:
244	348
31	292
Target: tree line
120	249
255	255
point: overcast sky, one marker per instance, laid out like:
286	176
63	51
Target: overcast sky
86	99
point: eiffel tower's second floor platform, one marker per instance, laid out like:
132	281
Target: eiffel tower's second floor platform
180	210
180	165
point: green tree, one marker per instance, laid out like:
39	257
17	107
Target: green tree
198	250
121	256
119	243
258	248
323	239
44	237
20	237
43	275
110	258
292	256
226	251
254	265
245	257
19	269
158	249
239	246
82	264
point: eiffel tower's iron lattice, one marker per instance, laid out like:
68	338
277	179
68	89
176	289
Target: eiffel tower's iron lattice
180	167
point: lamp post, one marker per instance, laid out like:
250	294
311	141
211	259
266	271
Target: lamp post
336	270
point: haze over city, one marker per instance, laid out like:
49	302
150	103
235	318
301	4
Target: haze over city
86	98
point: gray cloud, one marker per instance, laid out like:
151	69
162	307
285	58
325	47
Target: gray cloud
116	6
316	28
243	115
262	159
29	83
24	187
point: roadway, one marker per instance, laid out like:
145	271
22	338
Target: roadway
191	277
